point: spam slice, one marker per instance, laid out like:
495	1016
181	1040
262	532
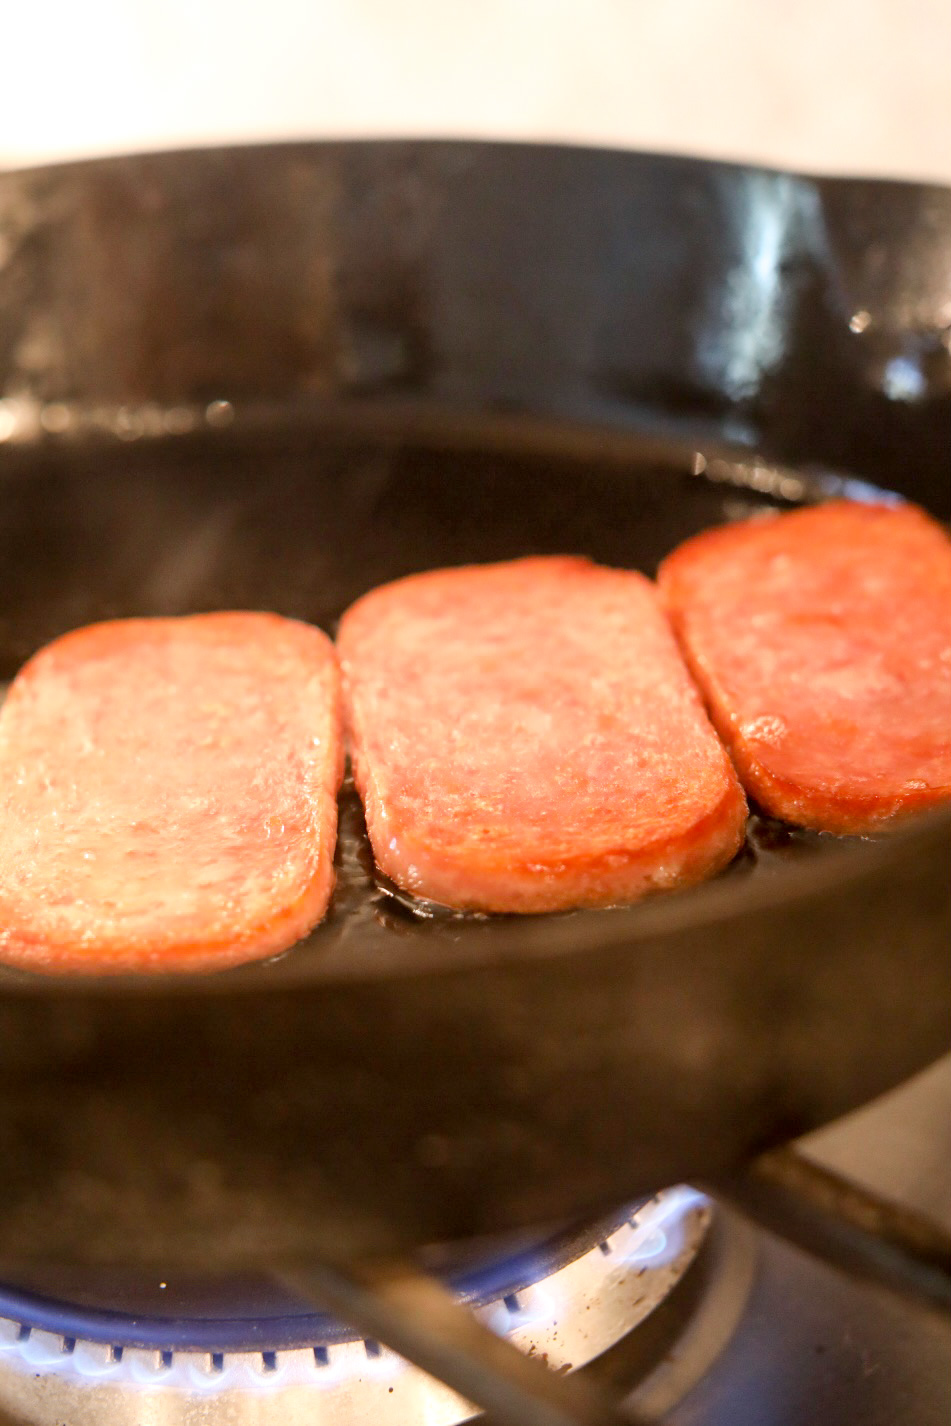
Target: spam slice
167	794
526	738
821	640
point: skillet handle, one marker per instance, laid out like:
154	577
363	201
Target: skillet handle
792	1196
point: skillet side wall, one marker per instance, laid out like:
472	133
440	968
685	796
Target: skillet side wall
598	286
211	1129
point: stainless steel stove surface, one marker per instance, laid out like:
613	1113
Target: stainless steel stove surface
814	1346
681	1307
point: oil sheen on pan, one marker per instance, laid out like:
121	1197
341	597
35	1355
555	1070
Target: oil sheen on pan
526	738
168	794
821	640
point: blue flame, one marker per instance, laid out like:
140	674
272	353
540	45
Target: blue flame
659	1231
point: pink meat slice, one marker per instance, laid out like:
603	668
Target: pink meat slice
821	640
168	794
526	738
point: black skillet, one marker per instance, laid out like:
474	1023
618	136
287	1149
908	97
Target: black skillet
275	377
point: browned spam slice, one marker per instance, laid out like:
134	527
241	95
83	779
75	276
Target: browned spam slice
821	640
526	738
168	794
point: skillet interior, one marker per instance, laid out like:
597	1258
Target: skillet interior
302	521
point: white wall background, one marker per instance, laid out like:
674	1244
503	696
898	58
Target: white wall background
847	85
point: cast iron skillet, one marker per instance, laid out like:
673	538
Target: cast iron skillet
275	377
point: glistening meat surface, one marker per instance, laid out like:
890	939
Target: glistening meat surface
525	737
822	642
168	794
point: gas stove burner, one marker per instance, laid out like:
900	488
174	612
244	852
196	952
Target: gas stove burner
566	1312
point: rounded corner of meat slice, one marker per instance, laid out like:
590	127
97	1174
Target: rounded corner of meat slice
821	640
526	738
168	794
